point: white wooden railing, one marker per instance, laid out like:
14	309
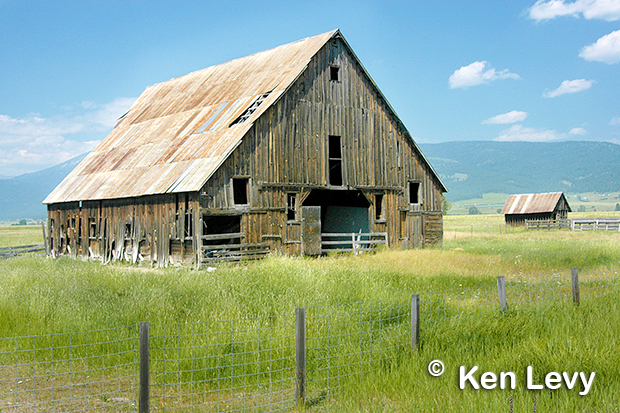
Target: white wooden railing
355	242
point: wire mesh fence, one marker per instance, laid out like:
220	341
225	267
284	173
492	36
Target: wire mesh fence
77	372
253	364
349	340
233	365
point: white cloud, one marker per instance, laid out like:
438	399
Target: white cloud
32	143
477	73
510	117
608	10
615	121
520	133
606	49
107	115
578	131
570	86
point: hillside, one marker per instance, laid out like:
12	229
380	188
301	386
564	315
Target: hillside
472	168
23	194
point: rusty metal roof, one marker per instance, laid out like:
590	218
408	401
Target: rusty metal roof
179	132
532	203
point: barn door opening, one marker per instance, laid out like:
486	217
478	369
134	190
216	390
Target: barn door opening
341	211
221	229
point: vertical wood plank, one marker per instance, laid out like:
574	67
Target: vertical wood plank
143	402
575	282
501	292
300	356
415	321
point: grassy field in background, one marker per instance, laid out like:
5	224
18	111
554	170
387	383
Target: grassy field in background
19	235
39	295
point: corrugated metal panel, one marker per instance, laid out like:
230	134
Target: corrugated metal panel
531	203
178	132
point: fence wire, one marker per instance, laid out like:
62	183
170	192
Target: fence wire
349	340
234	365
70	372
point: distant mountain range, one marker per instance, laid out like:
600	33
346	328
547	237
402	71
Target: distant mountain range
23	194
472	168
469	169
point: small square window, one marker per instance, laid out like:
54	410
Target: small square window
334	72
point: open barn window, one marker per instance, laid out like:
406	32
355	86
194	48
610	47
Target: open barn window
92	228
334	73
188	230
378	207
335	160
291	207
240	191
414	192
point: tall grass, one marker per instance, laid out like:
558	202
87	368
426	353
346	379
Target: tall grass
39	296
549	336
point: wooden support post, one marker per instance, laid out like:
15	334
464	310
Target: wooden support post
300	356
47	246
501	292
143	402
575	282
415	321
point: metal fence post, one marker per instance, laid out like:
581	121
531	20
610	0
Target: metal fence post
501	292
415	320
300	356
143	401
574	272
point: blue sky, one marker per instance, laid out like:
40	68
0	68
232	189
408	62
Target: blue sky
452	70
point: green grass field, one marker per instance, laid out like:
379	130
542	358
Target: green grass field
39	295
19	235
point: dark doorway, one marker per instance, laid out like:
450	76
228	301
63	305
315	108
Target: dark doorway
341	211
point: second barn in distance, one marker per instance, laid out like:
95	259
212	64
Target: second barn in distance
545	206
269	152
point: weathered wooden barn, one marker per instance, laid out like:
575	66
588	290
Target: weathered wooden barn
519	208
277	151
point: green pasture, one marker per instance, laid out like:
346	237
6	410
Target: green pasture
43	296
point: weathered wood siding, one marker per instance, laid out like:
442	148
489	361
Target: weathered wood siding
151	228
287	151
